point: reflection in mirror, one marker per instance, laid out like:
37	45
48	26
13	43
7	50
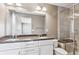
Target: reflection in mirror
30	24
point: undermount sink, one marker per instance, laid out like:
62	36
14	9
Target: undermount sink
43	37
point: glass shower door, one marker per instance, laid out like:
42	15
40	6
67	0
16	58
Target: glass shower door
66	29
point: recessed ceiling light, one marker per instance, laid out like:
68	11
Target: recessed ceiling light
18	4
44	9
38	8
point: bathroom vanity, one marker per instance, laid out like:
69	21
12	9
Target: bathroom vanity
39	46
20	26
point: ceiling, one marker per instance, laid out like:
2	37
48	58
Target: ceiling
67	5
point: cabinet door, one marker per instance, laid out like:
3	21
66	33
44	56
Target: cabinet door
46	50
30	51
29	44
9	52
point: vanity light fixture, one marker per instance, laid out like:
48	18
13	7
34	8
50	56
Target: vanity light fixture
44	9
38	8
9	3
18	4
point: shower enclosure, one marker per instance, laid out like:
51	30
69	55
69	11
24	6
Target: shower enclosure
68	28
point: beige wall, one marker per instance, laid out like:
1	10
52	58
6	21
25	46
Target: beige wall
2	19
51	17
5	21
51	20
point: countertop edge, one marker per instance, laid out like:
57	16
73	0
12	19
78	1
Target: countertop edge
16	41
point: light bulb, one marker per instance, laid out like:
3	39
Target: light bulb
44	9
38	8
18	4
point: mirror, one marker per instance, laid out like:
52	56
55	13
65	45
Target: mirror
25	23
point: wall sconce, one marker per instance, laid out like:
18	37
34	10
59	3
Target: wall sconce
38	8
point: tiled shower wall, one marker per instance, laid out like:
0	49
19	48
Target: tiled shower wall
64	23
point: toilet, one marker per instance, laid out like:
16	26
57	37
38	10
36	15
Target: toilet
58	50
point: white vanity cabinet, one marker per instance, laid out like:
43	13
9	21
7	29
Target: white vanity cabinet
46	47
42	47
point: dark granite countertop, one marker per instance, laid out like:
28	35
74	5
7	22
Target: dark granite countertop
24	39
65	40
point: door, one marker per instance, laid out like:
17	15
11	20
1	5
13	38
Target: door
26	28
23	24
46	50
26	25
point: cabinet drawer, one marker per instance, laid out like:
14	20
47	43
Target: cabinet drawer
29	44
30	51
46	42
9	52
8	46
